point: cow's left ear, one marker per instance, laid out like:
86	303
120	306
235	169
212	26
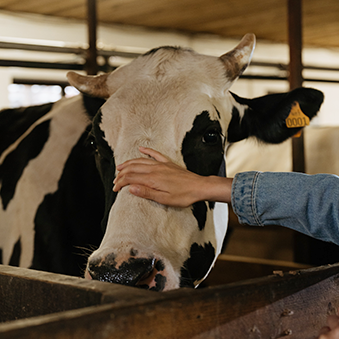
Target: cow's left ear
265	117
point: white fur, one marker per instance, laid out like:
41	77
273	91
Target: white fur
40	177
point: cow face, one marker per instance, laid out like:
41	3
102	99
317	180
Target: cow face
177	102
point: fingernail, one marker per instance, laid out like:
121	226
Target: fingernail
134	189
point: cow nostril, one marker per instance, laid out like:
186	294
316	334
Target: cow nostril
130	273
149	272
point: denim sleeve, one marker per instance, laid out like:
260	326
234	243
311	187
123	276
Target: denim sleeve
305	203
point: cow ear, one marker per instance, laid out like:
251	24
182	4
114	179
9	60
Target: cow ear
95	86
237	60
265	117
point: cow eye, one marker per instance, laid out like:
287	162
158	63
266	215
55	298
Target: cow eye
91	141
93	144
211	137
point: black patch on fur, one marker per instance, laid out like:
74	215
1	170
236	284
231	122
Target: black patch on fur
67	223
92	104
160	282
15	122
265	116
197	265
16	254
219	116
105	163
201	157
237	130
159	266
199	210
16	161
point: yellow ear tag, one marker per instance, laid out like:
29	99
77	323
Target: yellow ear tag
296	117
298	135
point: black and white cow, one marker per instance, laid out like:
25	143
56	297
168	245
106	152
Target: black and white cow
170	99
51	195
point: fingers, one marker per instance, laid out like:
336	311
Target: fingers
324	330
332	330
158	179
154	154
133	171
139	175
147	193
333	321
329	334
147	151
138	161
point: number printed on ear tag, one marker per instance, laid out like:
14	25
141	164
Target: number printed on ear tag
296	117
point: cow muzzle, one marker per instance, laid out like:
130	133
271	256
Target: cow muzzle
144	273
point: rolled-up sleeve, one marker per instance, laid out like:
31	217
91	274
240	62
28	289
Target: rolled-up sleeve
306	203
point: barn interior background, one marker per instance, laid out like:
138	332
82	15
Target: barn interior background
41	40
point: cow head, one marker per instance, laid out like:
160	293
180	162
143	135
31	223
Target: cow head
177	102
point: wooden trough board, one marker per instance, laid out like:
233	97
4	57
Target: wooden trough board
293	304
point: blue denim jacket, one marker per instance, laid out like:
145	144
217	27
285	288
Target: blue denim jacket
306	203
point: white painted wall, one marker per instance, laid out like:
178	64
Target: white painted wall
42	29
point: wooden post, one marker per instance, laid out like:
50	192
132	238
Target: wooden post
91	61
295	72
301	242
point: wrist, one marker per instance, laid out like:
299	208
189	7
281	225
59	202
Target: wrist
216	189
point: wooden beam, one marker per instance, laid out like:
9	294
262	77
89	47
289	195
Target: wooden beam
292	304
295	73
91	62
28	293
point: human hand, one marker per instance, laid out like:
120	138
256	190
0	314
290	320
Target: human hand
161	180
331	331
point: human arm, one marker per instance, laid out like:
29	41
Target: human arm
161	180
331	331
306	203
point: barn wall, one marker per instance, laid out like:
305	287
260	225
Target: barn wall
321	156
18	27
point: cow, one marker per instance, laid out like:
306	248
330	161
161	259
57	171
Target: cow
171	99
51	195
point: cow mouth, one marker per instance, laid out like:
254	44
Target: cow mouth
147	278
153	280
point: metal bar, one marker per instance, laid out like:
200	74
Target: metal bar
132	55
66	50
41	48
24	81
91	60
79	67
41	65
295	43
285	78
